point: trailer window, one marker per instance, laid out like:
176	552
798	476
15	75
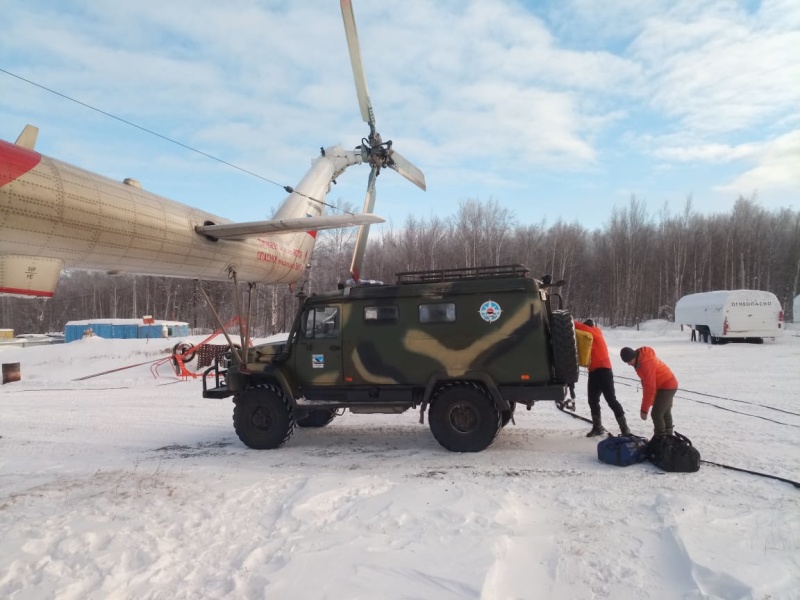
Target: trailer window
443	312
380	314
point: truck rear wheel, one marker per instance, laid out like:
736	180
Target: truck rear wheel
565	349
464	418
262	417
317	418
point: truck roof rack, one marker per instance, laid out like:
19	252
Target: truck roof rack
436	275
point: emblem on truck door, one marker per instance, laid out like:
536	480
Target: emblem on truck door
490	311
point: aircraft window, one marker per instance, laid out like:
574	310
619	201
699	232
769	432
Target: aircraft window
380	314
444	312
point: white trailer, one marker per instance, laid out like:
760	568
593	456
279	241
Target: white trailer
716	317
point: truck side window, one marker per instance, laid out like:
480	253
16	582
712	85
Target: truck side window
443	312
380	314
308	324
322	322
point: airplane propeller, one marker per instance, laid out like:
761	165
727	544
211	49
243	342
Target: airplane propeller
374	150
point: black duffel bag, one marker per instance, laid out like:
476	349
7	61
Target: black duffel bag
674	454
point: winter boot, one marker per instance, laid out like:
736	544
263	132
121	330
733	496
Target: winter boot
597	426
623	425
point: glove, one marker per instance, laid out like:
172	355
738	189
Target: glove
643	415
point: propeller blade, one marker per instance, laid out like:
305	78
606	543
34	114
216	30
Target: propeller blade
363	231
358	66
407	170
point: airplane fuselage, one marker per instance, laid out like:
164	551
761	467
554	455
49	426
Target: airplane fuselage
54	215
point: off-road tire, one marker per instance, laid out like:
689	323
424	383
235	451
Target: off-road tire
262	417
505	415
565	349
317	418
463	417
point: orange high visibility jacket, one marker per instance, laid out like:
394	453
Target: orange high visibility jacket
655	375
600	359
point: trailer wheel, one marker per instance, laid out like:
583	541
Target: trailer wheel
463	417
181	349
565	348
262	417
317	418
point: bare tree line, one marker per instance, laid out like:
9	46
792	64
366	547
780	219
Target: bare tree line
632	268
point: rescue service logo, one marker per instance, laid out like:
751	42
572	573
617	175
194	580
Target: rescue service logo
490	311
317	361
753	303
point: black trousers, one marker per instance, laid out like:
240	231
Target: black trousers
601	381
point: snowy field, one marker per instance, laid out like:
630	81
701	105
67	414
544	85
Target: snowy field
130	486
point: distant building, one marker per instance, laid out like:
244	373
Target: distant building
125	329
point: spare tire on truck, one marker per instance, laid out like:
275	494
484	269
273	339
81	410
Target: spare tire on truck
565	348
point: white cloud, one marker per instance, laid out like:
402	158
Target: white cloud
711	153
718	69
777	167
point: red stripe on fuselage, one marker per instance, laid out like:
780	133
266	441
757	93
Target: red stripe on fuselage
21	292
15	161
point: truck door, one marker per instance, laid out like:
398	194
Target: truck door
318	359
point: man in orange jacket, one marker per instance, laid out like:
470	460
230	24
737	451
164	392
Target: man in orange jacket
658	387
601	381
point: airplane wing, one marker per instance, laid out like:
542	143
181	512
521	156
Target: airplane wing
252	229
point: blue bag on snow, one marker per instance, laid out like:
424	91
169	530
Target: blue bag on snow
622	450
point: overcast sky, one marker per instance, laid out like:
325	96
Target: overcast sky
557	110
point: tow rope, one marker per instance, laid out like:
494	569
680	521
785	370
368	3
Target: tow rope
794	483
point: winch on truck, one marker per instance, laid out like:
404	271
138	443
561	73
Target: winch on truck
465	345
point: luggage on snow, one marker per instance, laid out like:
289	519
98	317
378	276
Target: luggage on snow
674	454
622	450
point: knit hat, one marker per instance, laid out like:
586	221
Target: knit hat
627	354
589	323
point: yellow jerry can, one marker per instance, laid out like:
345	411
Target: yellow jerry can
584	340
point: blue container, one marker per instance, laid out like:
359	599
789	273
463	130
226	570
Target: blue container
103	330
126	331
74	331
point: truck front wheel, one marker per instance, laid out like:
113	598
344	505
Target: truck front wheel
463	418
262	417
317	418
507	415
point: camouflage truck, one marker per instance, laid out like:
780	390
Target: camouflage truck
465	345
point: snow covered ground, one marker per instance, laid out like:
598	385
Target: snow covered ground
130	486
